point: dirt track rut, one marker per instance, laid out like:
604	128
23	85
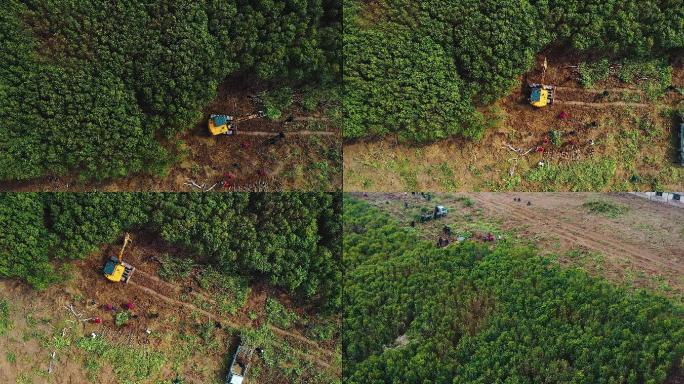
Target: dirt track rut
603	105
293	133
599	90
577	234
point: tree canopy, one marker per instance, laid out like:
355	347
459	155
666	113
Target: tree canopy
91	87
451	56
292	241
469	313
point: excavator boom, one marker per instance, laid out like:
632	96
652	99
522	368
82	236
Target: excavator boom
127	239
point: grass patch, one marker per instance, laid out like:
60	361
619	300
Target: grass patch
5	323
129	364
589	175
652	76
601	207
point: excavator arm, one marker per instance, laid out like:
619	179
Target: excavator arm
257	115
127	239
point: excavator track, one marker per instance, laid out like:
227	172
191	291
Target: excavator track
293	133
602	105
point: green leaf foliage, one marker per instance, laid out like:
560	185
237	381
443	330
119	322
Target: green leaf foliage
470	313
92	88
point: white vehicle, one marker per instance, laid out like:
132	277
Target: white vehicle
239	365
440	211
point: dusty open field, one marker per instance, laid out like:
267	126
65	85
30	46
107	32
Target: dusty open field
309	158
178	314
643	246
624	141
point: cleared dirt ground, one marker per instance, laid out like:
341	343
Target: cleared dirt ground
309	158
643	247
624	141
177	313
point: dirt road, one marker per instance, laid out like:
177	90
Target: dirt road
574	226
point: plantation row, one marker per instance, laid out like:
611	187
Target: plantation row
468	313
419	69
90	86
291	240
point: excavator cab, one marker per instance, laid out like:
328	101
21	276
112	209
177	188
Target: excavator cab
115	269
227	125
540	95
221	125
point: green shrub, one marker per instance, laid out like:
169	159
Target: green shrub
121	318
175	268
278	315
592	73
276	102
605	208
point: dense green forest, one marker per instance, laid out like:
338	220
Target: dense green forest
471	313
290	240
93	87
420	69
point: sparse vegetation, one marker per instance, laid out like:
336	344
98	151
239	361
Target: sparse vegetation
588	175
129	364
5	324
605	208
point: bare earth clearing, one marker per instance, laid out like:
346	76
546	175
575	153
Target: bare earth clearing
644	246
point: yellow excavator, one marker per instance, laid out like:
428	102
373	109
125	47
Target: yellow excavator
115	269
227	125
541	95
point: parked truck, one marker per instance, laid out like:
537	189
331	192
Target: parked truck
237	374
